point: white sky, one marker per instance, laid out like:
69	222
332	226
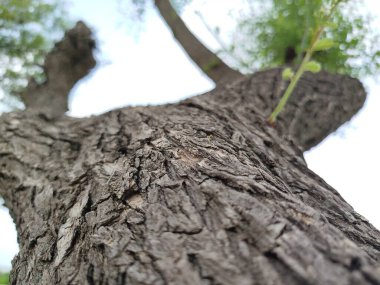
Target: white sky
154	70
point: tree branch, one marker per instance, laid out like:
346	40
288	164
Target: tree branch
205	59
321	102
70	60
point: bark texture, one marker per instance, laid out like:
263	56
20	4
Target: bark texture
199	192
206	60
318	106
70	60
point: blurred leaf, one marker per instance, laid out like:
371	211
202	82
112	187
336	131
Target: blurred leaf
331	25
313	66
28	29
263	35
4	278
287	73
324	44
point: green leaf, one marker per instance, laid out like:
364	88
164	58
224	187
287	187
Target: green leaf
331	25
287	73
324	44
312	66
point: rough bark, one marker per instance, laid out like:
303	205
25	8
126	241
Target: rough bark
318	106
206	60
313	113
70	60
199	192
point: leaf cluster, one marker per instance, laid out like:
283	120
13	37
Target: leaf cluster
282	25
28	29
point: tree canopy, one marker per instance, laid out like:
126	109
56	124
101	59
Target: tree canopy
281	29
28	29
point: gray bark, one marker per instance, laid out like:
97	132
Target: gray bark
318	106
199	192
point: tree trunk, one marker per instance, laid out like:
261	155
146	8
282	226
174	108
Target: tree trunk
199	192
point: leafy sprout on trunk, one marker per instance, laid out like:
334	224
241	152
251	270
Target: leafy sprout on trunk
316	45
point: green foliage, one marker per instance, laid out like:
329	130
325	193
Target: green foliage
324	44
4	278
316	44
281	25
313	66
287	73
27	31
